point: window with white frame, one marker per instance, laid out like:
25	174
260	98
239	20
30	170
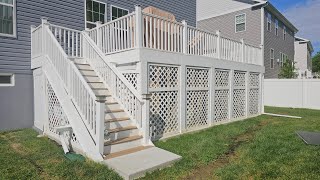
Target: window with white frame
7	18
271	58
117	12
284	32
6	79
95	11
283	58
240	22
269	21
277	27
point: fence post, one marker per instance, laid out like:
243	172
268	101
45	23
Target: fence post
100	113
218	44
243	50
185	37
99	35
44	24
139	27
182	97
145	118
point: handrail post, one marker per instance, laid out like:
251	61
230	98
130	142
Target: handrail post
139	27
218	44
99	34
145	118
85	51
44	23
242	49
100	113
185	37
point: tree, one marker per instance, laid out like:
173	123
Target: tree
288	70
316	63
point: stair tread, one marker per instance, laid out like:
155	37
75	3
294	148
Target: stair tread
122	129
127	151
114	110
111	103
117	119
123	140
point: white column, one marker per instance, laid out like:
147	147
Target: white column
146	119
218	44
185	37
182	98
211	95
231	84
139	27
99	34
261	93
44	23
242	51
247	93
100	114
32	27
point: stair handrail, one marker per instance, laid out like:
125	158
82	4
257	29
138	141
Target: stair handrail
90	107
91	51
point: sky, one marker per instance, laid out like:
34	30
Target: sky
305	15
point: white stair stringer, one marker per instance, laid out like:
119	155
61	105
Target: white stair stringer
78	127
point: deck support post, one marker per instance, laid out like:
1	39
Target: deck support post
211	95
182	98
247	81
145	119
231	87
99	35
139	27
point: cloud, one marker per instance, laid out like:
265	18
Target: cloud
306	17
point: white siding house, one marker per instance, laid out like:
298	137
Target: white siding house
302	57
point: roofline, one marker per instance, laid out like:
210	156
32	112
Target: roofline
283	18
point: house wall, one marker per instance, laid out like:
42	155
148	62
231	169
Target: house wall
226	24
301	56
15	57
210	8
278	44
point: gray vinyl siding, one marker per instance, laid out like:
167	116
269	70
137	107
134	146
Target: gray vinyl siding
226	24
278	44
183	10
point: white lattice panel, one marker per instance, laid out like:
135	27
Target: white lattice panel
221	105
221	78
197	108
239	79
163	76
253	101
239	103
197	77
163	113
57	116
132	78
254	79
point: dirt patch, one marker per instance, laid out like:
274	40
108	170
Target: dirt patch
18	149
207	171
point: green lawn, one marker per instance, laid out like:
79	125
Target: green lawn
264	147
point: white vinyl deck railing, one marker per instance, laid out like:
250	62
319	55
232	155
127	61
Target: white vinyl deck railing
139	29
56	47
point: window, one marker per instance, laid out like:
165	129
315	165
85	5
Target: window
268	21
240	22
117	12
7	18
6	80
277	27
95	11
283	58
284	32
271	58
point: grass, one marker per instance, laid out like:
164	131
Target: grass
263	147
24	156
268	149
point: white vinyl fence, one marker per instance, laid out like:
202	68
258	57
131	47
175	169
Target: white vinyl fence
297	93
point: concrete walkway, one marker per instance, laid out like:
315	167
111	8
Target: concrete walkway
137	164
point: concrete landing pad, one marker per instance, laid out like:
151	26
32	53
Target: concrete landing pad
137	164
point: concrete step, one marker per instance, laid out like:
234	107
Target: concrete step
127	151
122	132
118	124
115	115
122	144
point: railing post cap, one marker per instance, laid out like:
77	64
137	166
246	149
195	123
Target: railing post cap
242	40
44	19
184	22
137	5
218	32
98	23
